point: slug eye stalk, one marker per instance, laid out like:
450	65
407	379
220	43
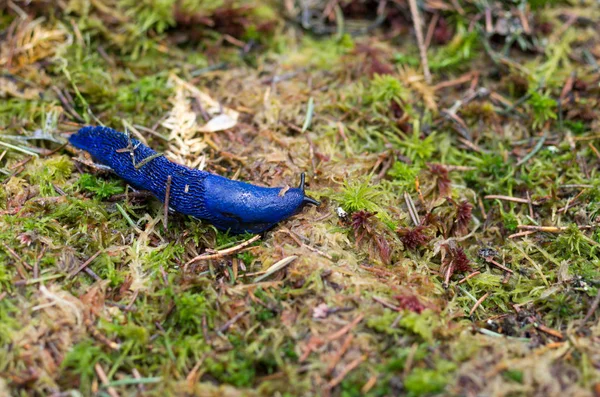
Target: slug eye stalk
307	199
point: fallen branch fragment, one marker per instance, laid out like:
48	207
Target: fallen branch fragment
345	328
414	11
592	309
84	264
338	379
104	379
509	198
225	252
469	276
491	260
478	303
229	323
551	229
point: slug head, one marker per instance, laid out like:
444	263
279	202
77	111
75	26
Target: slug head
244	208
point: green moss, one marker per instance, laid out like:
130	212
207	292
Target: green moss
101	188
422	324
360	195
385	88
423	381
543	108
53	170
461	49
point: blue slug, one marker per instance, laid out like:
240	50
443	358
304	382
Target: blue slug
229	205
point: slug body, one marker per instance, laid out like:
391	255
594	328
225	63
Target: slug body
233	206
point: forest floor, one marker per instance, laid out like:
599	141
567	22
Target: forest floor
456	250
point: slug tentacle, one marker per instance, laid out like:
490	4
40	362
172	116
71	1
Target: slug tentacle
229	205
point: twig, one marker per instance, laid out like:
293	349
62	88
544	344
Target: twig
521	234
369	385
340	353
450	83
478	303
85	264
551	229
104	379
422	50
16	256
91	273
592	309
489	259
345	328
431	29
469	276
549	331
386	304
137	194
222	253
151	131
338	379
509	198
147	160
229	323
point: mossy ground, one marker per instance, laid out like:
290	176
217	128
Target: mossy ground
456	251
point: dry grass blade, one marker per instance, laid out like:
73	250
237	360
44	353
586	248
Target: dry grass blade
225	252
275	268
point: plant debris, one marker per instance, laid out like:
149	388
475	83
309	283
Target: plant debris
453	145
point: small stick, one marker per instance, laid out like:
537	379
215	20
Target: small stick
549	331
104	379
469	276
91	273
478	303
422	50
137	194
166	207
151	131
229	323
489	259
594	149
346	328
96	334
85	264
146	160
431	29
338	355
369	385
16	256
551	229
386	304
465	78
224	252
530	205
521	234
338	379
509	198
138	376
592	309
